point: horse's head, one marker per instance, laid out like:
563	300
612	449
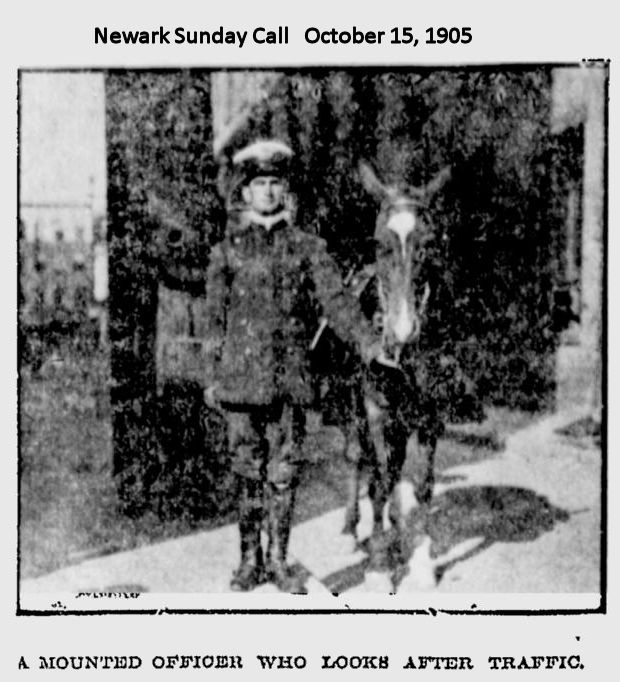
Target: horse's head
400	237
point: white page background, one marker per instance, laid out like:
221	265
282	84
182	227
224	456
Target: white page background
60	34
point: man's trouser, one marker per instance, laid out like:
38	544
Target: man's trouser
265	442
265	445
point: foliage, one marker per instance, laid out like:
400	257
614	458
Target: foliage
159	133
493	262
498	225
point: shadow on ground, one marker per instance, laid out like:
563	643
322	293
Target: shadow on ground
491	513
484	514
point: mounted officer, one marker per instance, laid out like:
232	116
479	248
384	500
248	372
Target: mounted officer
268	282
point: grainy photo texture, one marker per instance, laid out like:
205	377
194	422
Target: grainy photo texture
329	331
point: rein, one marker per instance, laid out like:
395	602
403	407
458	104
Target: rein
357	279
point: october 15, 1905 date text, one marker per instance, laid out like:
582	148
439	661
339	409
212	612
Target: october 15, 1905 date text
398	35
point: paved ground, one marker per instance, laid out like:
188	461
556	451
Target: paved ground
525	521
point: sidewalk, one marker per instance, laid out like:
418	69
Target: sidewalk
527	520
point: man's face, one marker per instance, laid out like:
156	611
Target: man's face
265	194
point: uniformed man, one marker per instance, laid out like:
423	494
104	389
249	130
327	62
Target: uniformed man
267	282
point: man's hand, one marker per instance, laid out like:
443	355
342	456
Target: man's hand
210	397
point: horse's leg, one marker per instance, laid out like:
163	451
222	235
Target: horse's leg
399	505
421	566
379	482
353	458
358	452
424	476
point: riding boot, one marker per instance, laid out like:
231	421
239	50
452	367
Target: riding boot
251	570
281	502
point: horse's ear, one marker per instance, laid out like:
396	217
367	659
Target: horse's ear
370	181
437	182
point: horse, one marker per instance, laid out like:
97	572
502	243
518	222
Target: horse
386	407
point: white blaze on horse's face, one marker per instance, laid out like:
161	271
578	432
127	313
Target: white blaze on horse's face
402	223
397	235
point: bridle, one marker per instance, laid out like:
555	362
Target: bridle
400	217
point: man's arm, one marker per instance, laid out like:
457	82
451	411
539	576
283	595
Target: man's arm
340	307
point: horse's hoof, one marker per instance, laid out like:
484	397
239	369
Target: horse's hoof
378	553
422	575
377	581
417	579
347	544
400	572
402	550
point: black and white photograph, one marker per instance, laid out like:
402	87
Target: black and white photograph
316	337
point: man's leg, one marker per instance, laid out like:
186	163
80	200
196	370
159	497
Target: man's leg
248	446
283	476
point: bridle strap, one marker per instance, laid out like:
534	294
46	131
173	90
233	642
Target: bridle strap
358	280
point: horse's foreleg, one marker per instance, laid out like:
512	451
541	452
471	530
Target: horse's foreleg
379	482
424	472
400	497
354	459
422	567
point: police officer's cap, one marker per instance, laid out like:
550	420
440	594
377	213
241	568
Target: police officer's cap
265	157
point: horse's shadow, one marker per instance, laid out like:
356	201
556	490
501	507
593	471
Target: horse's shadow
489	513
485	514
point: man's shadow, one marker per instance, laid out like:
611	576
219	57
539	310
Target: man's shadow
486	513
